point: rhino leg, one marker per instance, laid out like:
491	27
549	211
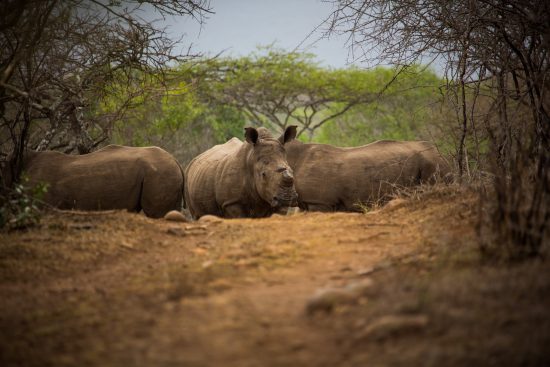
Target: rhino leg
159	196
318	208
233	211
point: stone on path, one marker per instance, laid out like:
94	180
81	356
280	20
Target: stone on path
392	326
175	216
325	300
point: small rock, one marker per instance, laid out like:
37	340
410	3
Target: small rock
199	251
175	216
127	245
392	326
210	219
327	299
204	244
247	262
365	271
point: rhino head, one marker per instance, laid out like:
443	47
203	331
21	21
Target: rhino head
273	178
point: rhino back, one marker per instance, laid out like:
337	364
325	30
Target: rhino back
423	156
208	176
110	178
338	178
434	166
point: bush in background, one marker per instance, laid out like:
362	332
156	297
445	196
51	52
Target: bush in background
20	207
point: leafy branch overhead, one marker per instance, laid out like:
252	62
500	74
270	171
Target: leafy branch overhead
495	53
278	88
61	60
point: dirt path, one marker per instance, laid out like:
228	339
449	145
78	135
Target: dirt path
312	289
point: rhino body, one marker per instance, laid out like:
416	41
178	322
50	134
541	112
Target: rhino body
241	179
330	178
114	177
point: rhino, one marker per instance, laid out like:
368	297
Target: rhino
114	177
329	178
242	179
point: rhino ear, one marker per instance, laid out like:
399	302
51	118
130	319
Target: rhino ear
288	135
251	135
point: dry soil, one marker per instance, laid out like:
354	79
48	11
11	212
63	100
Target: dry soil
398	286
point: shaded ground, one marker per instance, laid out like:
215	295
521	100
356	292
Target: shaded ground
401	286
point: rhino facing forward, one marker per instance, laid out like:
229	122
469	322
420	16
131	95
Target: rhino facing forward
114	177
242	179
330	178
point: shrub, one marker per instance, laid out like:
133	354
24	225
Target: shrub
20	206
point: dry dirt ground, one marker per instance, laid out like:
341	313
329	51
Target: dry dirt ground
399	286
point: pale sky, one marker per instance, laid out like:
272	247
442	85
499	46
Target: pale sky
239	26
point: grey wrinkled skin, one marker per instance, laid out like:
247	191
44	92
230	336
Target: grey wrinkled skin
329	178
242	179
114	177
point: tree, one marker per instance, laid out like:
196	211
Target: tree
178	120
191	115
61	59
279	88
496	50
411	111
